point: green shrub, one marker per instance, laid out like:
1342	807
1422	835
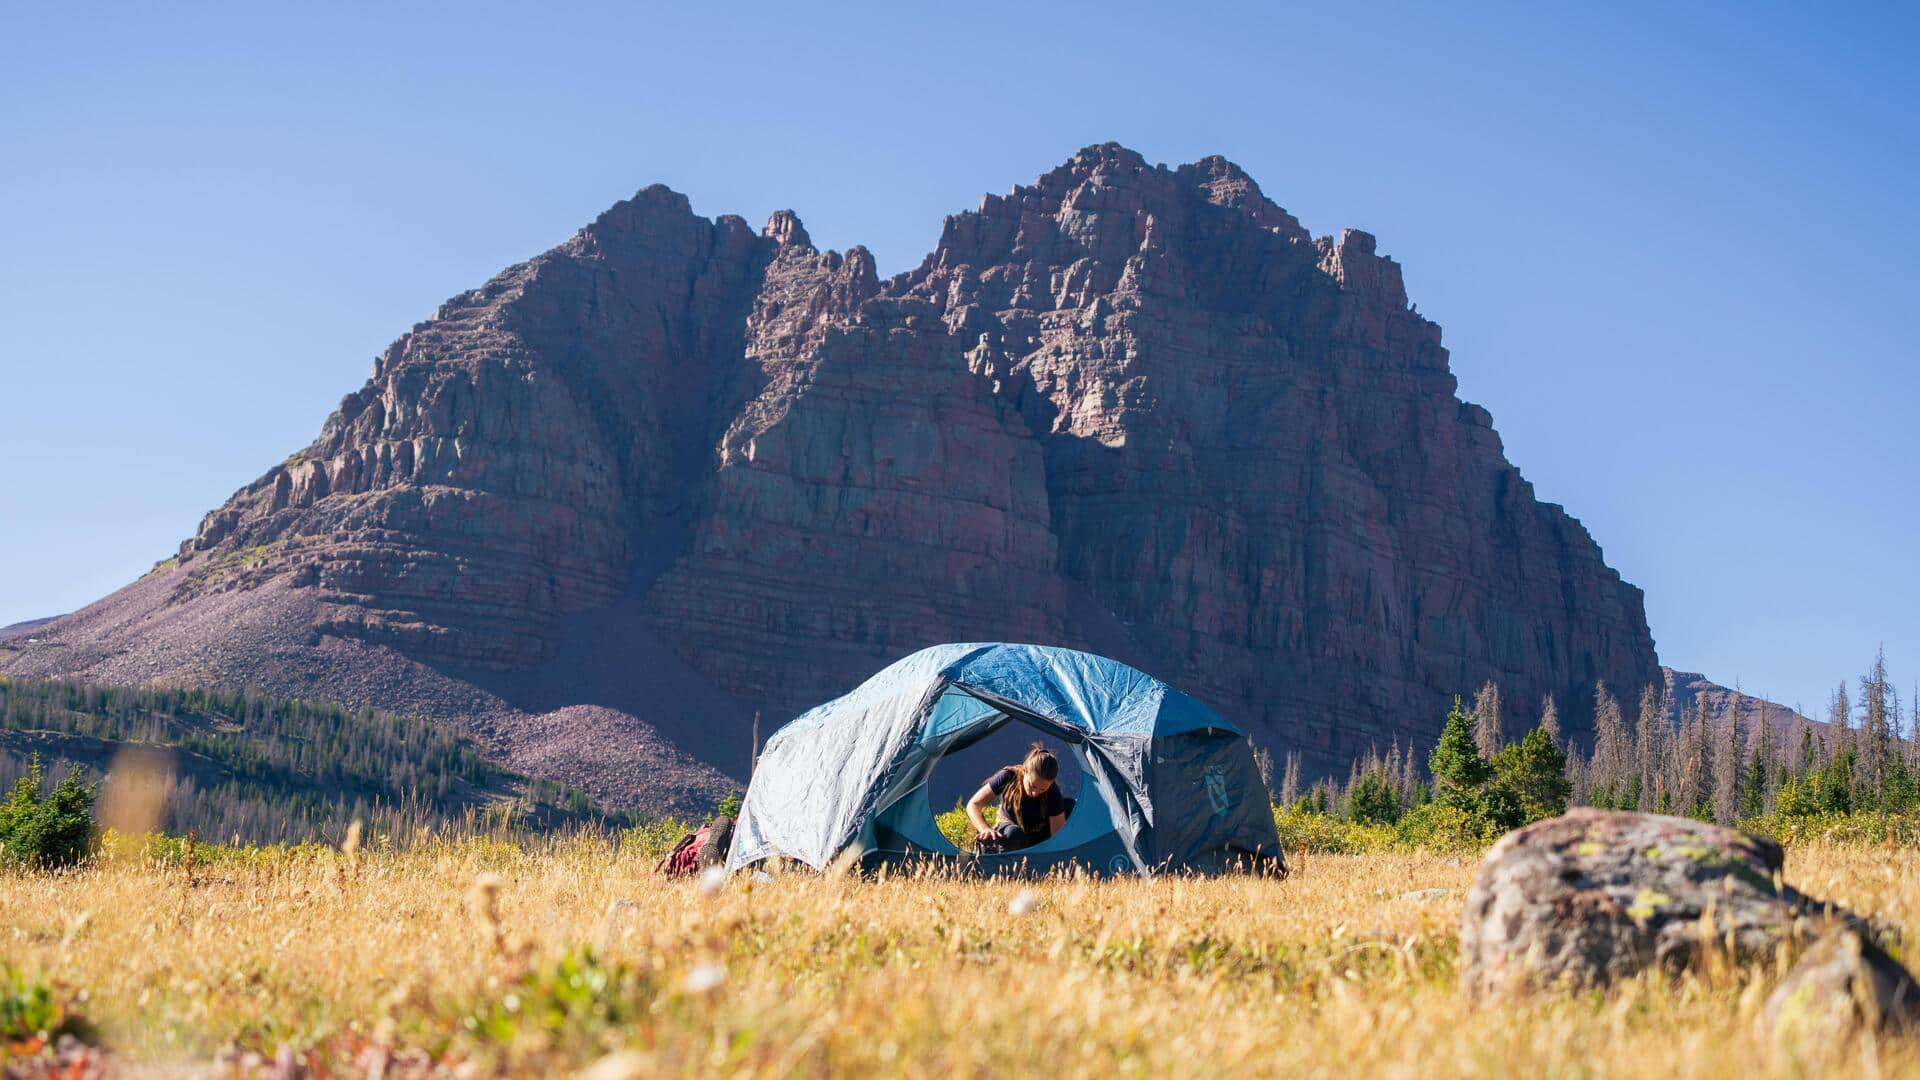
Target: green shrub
576	999
1303	827
1861	827
46	831
651	840
955	827
1440	826
29	1010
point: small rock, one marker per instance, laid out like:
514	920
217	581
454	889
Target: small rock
1843	982
620	1065
703	978
1425	894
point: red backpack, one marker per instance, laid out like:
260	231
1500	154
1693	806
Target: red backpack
698	850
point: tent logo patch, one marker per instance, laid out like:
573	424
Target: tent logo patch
1215	782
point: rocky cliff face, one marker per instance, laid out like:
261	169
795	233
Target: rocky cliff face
674	471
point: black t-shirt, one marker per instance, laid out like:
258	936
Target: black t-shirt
1036	813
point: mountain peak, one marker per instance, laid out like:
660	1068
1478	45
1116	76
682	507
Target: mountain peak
655	480
784	228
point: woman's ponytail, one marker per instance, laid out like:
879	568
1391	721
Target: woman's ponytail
1039	764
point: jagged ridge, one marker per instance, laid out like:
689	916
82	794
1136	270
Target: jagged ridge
674	471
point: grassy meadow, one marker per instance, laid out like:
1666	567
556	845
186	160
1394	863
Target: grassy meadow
478	957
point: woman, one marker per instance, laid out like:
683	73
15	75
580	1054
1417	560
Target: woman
1031	808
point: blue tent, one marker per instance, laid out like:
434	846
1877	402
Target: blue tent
1167	784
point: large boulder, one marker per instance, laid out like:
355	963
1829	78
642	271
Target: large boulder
1593	896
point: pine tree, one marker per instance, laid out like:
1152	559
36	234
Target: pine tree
1650	743
1536	772
1806	748
1550	719
46	830
1876	739
1413	793
1290	780
1486	710
1372	799
1693	768
1606	774
1456	765
1262	761
1763	776
1912	743
1391	770
1578	789
1839	741
1729	768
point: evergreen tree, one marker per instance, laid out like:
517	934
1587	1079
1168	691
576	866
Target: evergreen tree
1457	768
42	830
1318	801
1372	799
1535	771
1729	768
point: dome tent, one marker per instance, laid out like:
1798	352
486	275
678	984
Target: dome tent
1168	785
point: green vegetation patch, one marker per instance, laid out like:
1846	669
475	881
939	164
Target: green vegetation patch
264	769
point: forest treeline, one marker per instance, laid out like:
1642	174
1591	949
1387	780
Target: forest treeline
239	764
1731	763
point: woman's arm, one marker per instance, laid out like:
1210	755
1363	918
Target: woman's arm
976	807
1055	824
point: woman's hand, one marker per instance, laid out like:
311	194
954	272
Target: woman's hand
976	813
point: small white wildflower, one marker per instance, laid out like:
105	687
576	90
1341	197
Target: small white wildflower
703	978
1023	903
712	879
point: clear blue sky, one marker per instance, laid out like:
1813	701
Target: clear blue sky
1673	246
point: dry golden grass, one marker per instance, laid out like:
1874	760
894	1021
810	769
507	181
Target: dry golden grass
1338	971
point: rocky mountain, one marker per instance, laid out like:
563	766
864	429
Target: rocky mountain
605	507
24	628
1687	691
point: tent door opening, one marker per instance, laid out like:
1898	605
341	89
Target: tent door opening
961	719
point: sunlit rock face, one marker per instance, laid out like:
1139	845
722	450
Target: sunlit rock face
678	470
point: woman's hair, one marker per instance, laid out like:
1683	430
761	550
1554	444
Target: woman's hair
1039	764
